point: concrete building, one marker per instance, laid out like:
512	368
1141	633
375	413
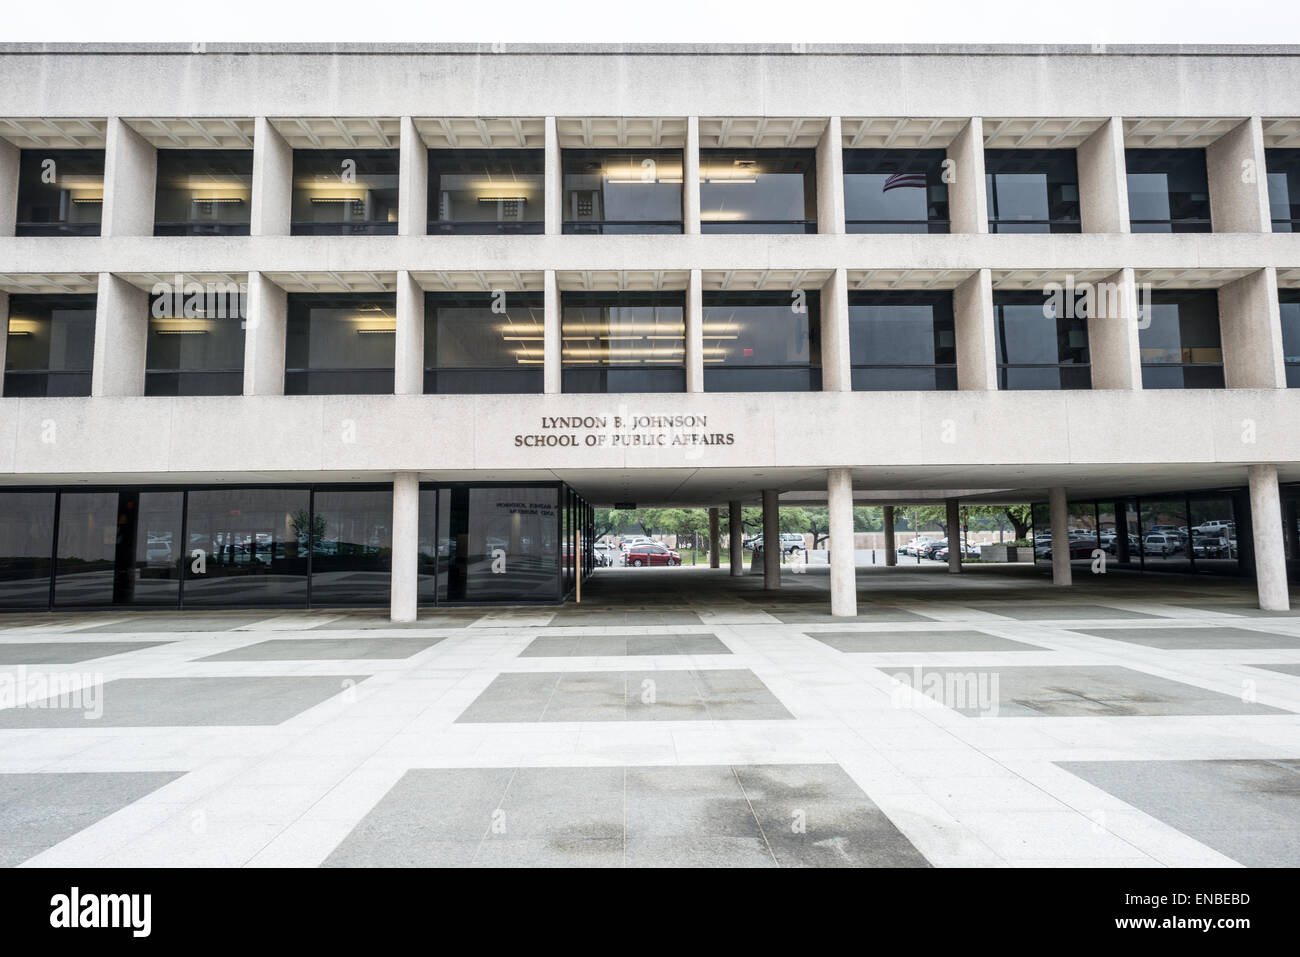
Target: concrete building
357	325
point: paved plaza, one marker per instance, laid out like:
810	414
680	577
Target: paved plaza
676	717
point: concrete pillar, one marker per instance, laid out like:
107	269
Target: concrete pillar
552	353
121	334
1113	333
839	506
968	206
1103	180
408	350
977	358
554	185
264	334
954	535
412	182
1238	177
837	369
1062	573
691	179
1250	323
130	174
771	539
830	179
891	548
272	181
715	556
695	332
736	537
406	546
9	162
1266	528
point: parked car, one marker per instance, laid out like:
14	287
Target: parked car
791	542
915	545
651	554
1134	545
1162	545
1211	545
1079	548
971	551
931	547
627	541
604	553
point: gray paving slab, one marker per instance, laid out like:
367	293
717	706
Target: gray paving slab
67	652
1213	637
583	646
186	622
327	649
1286	669
863	642
1057	611
380	622
813	617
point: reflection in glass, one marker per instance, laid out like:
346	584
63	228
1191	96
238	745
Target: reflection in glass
761	342
895	191
1180	346
503	544
1032	191
902	341
344	192
434	545
1213	523
26	547
758	191
1168	191
1038	345
195	348
616	191
483	343
87	550
340	344
486	191
1166	534
1289	303
623	342
203	193
60	192
51	345
352	546
1283	188
254	544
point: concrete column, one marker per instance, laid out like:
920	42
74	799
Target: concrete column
1062	573
272	181
1266	526
264	336
121	334
1250	323
553	355
736	536
830	179
1103	180
714	551
9	162
977	357
691	178
695	332
968	204
891	548
406	546
1113	333
954	535
839	506
1238	176
412	182
771	539
837	370
130	174
408	355
554	185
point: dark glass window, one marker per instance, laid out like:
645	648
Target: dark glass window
203	193
1032	191
483	342
623	342
1168	191
1042	342
761	342
196	343
497	543
617	191
51	345
435	545
902	341
486	191
895	191
60	192
1180	346
1283	188
1289	302
340	344
352	546
253	545
344	192
87	552
26	547
758	191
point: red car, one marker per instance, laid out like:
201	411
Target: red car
638	555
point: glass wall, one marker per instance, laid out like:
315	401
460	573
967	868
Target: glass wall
1168	191
203	193
1040	343
486	191
902	341
758	191
1032	191
1283	188
1289	303
87	548
27	521
60	192
340	344
762	342
352	546
895	191
623	342
344	193
618	191
1180	346
247	546
483	342
503	543
51	345
435	545
195	348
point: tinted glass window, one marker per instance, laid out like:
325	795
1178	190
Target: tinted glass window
623	342
895	191
352	546
338	192
87	549
758	191
1290	309
253	544
1181	347
51	345
486	191
1042	342
902	341
1032	191
60	192
26	546
203	192
483	343
1283	188
761	342
614	191
196	343
1168	191
503	544
338	345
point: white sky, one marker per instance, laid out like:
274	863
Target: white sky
658	21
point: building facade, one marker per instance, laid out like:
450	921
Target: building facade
381	325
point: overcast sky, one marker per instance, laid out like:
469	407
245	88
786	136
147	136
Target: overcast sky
659	21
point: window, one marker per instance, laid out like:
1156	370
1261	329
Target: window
1040	345
486	191
351	546
193	348
344	192
60	192
895	191
1283	188
613	191
623	342
203	193
1032	191
1289	302
761	342
1181	348
902	341
340	344
482	343
254	544
26	548
51	345
758	191
1168	191
499	543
